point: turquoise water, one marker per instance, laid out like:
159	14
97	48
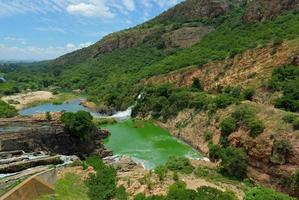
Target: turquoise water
146	143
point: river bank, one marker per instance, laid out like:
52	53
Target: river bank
29	99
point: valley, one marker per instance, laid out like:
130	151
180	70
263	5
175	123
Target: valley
200	102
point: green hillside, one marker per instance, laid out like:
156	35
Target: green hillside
110	70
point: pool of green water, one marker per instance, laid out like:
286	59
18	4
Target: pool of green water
146	143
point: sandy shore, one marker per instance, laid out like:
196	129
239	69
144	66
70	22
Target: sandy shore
23	100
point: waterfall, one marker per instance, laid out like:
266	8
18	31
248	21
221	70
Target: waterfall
122	115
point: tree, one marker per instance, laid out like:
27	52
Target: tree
233	162
79	124
228	125
102	185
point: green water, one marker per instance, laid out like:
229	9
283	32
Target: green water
146	143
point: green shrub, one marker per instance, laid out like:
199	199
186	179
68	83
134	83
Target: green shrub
104	121
247	117
79	124
233	91
223	100
228	125
296	124
248	93
175	176
214	152
178	191
101	185
296	179
280	152
161	171
196	85
255	126
233	162
286	79
201	172
259	193
121	193
243	112
208	136
179	164
209	193
7	110
289	118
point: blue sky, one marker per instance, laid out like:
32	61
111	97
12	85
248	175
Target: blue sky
46	29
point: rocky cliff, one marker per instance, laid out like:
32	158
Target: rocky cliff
31	135
261	10
250	68
174	27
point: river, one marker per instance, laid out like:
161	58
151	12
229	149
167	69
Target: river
143	141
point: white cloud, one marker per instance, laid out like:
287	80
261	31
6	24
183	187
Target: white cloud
166	3
83	45
50	29
90	10
15	39
129	4
87	8
37	53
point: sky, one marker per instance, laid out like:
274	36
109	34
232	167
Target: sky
46	29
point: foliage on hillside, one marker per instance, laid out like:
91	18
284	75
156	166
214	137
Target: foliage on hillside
112	78
6	110
166	101
286	79
80	124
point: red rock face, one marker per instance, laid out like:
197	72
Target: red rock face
261	10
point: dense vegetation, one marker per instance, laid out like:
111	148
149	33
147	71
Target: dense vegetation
265	194
245	117
101	185
112	78
286	80
166	101
6	110
80	124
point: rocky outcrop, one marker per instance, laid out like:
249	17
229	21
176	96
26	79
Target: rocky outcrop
191	126
198	9
33	135
26	164
185	37
261	10
248	68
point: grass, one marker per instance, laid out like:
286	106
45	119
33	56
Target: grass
212	175
104	121
71	187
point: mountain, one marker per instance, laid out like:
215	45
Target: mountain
221	75
108	69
